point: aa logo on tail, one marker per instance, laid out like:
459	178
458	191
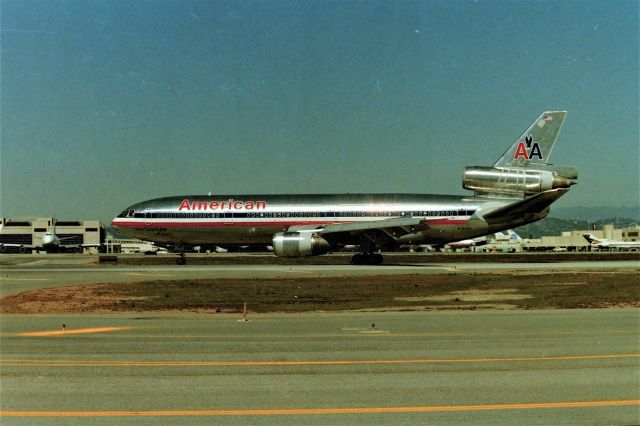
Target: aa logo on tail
528	149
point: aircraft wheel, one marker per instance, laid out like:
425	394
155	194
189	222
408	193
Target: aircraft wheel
367	259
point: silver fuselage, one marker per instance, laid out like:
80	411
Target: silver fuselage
254	219
517	189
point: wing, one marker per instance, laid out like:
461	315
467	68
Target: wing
21	247
68	246
386	232
406	224
29	246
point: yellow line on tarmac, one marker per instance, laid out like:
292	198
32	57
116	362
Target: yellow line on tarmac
144	274
545	333
316	411
71	331
25	279
343	333
82	363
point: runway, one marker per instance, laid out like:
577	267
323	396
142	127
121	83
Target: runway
491	367
21	273
450	367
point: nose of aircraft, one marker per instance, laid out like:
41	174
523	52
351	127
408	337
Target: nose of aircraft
115	223
49	239
122	217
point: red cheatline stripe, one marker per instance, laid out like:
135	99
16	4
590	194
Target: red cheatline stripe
214	223
240	222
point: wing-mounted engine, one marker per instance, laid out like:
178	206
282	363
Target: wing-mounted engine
488	181
298	244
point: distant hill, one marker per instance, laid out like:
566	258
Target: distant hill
595	213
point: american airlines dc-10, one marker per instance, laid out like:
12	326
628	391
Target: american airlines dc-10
516	190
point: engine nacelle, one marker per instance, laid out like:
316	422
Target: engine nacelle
515	181
299	244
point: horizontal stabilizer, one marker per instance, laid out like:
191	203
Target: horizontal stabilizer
531	205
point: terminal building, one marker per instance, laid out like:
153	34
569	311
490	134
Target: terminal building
575	241
21	235
567	241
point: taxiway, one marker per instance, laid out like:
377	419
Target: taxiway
482	367
21	273
515	367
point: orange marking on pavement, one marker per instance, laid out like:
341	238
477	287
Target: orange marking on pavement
72	331
25	279
82	363
312	411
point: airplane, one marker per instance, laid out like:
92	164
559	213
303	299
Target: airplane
463	244
51	243
517	189
603	243
510	236
479	241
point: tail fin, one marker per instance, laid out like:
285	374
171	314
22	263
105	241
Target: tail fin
590	238
508	236
535	145
513	236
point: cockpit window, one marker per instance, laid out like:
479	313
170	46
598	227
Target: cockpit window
126	213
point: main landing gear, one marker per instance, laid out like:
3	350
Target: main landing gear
368	255
181	260
367	259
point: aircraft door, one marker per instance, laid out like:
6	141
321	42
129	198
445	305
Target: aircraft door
228	217
330	216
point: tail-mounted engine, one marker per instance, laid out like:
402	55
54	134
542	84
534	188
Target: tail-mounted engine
298	244
512	181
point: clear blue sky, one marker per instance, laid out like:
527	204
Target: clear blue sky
107	103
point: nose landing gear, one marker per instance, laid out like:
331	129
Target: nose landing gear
181	260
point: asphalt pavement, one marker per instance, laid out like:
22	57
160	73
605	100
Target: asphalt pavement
490	367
